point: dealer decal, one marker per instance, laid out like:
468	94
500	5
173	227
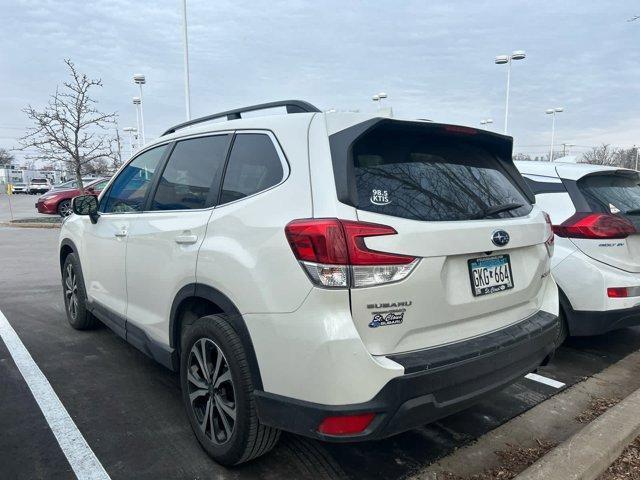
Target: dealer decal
391	313
380	197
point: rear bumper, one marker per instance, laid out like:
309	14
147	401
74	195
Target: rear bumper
437	382
584	323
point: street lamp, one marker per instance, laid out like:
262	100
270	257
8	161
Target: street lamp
486	121
131	131
378	97
187	94
140	80
137	103
507	59
566	147
552	112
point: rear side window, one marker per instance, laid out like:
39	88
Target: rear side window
192	174
612	193
129	189
254	166
430	177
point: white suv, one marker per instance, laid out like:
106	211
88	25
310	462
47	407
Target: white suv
596	215
337	275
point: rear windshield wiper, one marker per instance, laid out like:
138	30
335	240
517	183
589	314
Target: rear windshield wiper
633	211
490	211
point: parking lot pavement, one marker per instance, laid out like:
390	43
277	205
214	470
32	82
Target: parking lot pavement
129	410
14	207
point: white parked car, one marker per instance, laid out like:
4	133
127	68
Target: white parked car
340	276
39	185
595	211
19	187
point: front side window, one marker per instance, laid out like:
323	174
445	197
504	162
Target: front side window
431	177
192	173
129	189
254	166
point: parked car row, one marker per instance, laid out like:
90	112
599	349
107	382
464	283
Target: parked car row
35	186
344	276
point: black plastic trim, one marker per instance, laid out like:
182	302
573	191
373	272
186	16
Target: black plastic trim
584	323
232	314
438	382
544	187
292	106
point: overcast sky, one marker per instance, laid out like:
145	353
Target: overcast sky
434	59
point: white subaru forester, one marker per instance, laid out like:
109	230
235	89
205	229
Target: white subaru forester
341	276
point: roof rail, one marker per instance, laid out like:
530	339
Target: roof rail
292	106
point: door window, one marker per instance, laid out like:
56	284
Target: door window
254	165
129	189
192	176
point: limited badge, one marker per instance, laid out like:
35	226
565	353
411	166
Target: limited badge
380	197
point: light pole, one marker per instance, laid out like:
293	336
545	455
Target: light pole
187	94
378	97
136	102
507	59
552	112
131	131
636	147
140	80
486	121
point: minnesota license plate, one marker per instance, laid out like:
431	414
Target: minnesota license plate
490	274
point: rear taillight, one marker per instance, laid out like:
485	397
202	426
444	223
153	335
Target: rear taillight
346	424
595	225
549	242
334	254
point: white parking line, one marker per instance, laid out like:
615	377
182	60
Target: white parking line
547	381
80	456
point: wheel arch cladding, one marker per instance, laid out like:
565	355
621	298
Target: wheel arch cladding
195	301
66	247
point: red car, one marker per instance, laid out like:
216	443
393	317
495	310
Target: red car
58	202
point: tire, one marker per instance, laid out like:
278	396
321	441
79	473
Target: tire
75	296
564	328
225	391
64	208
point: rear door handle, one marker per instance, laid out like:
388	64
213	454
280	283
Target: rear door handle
121	233
186	239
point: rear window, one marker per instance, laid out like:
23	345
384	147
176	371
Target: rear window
612	193
430	177
39	181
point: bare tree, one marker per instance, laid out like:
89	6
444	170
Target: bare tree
6	157
605	154
70	129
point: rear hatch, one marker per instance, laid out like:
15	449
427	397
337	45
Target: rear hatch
611	220
461	209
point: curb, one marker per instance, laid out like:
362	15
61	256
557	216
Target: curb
30	225
589	452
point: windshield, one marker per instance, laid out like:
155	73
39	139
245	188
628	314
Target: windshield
432	178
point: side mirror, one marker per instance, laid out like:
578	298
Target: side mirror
86	205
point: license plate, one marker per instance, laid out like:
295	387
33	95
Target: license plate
490	275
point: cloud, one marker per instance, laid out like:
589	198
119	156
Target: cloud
435	60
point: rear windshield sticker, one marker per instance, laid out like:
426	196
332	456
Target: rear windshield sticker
613	208
380	197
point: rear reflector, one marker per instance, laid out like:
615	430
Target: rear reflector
595	225
346	425
623	292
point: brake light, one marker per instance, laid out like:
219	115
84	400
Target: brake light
334	254
346	425
595	225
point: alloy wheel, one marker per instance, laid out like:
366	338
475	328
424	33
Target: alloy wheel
65	208
71	291
211	391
